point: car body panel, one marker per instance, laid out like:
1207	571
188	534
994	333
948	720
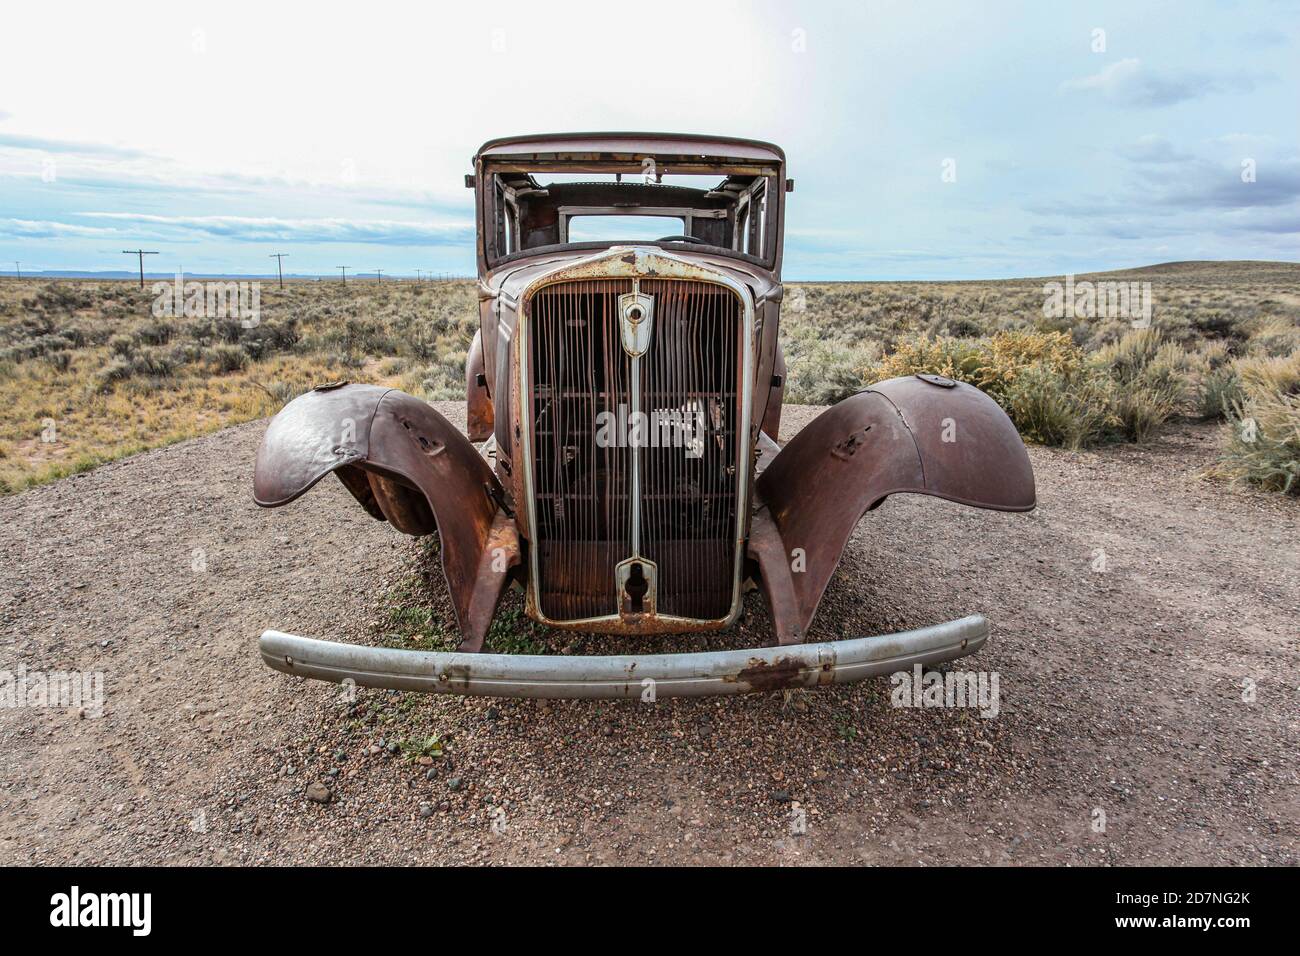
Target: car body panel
904	435
404	462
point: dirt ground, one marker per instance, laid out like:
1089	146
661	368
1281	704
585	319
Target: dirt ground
1146	637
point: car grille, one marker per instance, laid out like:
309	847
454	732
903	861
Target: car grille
688	502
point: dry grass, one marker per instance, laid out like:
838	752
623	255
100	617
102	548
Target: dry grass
1222	336
86	365
88	374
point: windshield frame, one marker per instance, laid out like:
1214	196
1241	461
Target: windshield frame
649	168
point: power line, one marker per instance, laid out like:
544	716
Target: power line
279	264
18	267
379	273
141	253
345	273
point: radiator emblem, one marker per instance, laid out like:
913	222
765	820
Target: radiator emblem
635	321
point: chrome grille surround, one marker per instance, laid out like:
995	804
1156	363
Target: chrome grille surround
653	266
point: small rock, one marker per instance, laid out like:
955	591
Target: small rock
425	761
426	810
493	714
455	783
393	748
430	773
319	793
781	796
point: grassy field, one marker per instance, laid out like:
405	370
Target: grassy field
88	374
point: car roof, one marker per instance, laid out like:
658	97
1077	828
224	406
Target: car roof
629	145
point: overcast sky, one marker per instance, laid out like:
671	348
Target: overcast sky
218	133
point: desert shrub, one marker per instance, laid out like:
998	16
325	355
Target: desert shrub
1012	353
1264	377
442	381
117	370
963	359
227	330
1041	379
992	363
155	332
394	365
186	353
1262	443
1150	380
226	358
42	344
1219	389
268	337
154	363
1126	358
123	345
280	393
1213	355
1217	324
822	370
64	297
75	335
1072	410
1140	407
59	361
361	336
1105	332
1276	338
1176	327
962	327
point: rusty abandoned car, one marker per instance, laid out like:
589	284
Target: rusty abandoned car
624	395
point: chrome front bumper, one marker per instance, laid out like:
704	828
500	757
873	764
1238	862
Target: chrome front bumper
644	676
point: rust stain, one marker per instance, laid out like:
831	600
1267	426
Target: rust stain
781	673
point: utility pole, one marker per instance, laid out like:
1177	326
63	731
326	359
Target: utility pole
345	273
141	253
279	264
18	267
379	273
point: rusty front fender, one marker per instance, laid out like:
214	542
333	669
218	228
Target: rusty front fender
479	415
408	465
923	435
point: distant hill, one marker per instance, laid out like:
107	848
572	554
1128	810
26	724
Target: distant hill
1209	269
1205	270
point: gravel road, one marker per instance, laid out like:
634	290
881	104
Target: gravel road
1146	639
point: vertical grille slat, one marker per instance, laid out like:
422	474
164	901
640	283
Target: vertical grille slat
689	509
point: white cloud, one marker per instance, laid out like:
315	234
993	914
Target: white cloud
262	229
1129	83
46	229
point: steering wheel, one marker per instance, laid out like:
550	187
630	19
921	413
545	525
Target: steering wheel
695	239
